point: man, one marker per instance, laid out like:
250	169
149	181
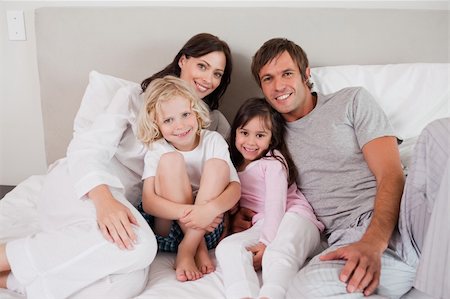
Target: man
350	171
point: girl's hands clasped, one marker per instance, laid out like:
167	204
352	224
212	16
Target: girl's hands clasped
200	217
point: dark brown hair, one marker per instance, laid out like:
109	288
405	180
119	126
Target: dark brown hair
258	107
197	46
275	47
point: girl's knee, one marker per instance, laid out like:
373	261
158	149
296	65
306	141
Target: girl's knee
171	160
217	166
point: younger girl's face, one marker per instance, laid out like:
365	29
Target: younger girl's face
178	123
253	139
204	73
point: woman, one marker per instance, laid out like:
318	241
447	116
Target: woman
87	198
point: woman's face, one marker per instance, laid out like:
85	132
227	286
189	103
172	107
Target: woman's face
204	72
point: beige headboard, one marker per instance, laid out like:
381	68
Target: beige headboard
134	42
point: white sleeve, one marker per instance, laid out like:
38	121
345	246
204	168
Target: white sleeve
90	152
221	151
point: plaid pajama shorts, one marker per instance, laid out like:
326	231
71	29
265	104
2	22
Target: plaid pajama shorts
170	243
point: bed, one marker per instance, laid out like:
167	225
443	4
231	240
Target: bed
86	53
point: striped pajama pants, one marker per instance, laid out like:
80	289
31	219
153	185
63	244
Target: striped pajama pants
419	253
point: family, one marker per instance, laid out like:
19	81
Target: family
162	170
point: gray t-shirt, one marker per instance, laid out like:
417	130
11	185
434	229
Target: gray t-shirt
326	146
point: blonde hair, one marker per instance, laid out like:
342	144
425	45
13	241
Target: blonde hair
162	90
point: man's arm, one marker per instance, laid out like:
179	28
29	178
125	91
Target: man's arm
363	267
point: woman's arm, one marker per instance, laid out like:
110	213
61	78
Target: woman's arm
114	219
89	158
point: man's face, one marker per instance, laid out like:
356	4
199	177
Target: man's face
285	88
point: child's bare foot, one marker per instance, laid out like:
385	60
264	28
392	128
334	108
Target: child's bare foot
185	267
202	259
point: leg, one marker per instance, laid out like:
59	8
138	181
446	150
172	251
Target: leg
239	277
424	210
172	172
296	240
215	178
320	279
73	254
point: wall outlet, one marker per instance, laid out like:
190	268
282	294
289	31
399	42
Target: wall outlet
16	25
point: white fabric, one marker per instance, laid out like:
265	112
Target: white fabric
97	96
52	263
108	152
211	145
297	239
400	89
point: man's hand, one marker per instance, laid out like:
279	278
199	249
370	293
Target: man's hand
242	220
114	219
258	252
362	270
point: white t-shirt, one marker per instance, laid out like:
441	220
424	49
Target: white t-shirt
211	145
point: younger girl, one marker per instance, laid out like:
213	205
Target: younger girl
186	172
267	174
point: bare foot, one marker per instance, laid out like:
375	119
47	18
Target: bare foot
3	278
185	267
202	259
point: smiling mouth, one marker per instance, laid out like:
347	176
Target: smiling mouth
182	134
283	97
250	150
201	87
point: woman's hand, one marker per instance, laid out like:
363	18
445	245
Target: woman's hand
114	219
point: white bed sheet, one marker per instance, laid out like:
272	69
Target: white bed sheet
18	218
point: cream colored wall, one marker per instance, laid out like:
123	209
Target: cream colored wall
21	129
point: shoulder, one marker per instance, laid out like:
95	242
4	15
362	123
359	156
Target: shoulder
273	161
212	136
348	93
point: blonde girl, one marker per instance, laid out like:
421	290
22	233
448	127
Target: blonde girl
187	169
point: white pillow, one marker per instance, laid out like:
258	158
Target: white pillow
412	95
98	95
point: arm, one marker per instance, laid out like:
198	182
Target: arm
114	219
241	220
363	266
89	158
201	216
275	201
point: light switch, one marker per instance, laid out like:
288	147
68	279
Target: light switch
16	25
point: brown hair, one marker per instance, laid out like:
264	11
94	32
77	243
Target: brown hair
258	107
197	46
275	47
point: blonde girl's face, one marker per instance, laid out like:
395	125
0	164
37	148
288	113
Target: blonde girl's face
204	73
178	123
253	139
